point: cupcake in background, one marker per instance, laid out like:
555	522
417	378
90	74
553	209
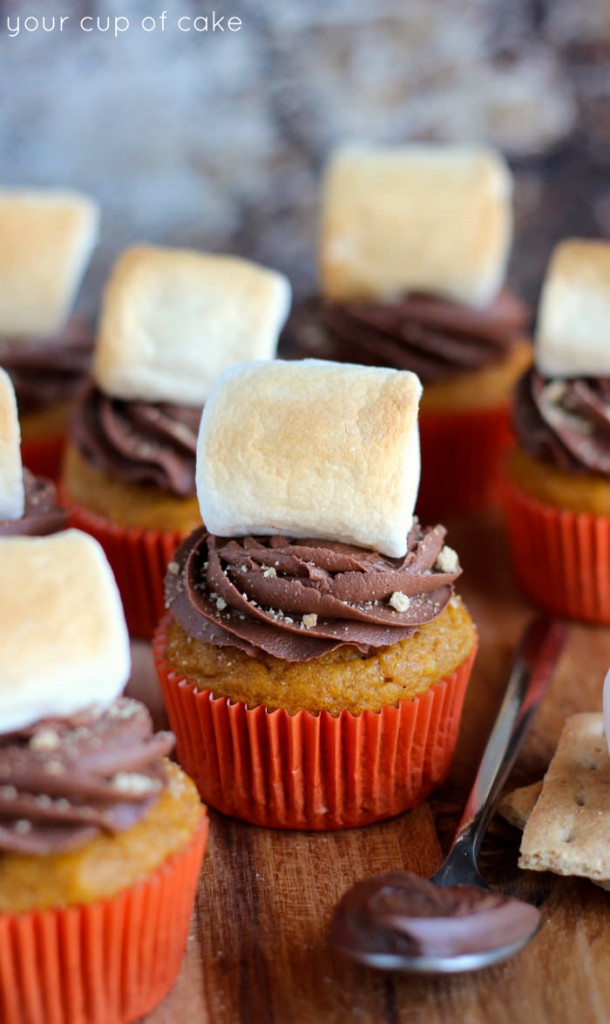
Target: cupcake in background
101	837
171	321
557	488
28	504
414	245
47	237
315	657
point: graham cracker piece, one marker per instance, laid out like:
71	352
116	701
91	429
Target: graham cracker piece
568	831
517	806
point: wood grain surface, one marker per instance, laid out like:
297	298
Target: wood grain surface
258	952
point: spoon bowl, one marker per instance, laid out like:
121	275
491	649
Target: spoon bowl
399	921
453	922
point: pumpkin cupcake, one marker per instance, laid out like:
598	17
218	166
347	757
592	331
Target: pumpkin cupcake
101	837
172	320
557	490
47	238
315	657
413	251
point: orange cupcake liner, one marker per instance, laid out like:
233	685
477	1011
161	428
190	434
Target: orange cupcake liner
312	771
561	558
139	560
460	456
43	456
108	962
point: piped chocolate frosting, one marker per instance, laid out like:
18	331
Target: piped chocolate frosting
62	782
47	370
435	338
299	599
42	515
565	422
140	442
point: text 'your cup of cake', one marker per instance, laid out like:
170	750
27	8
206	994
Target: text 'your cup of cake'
315	657
47	237
101	836
172	321
557	492
414	244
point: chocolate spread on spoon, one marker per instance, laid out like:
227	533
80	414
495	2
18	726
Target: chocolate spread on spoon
401	914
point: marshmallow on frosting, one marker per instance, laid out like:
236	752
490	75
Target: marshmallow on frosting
174	319
12	492
63	636
311	449
573	330
418	218
46	238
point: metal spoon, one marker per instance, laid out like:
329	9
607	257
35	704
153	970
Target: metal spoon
454	922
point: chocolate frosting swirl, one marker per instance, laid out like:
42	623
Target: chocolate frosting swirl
435	338
566	422
42	515
299	599
64	781
141	442
47	370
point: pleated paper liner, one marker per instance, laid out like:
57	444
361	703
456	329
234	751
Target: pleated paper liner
43	455
460	456
312	771
561	558
138	558
108	962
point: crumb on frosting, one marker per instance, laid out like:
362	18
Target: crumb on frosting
399	601
447	560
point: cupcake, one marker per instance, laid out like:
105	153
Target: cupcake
172	320
413	252
28	504
101	837
315	657
47	237
557	488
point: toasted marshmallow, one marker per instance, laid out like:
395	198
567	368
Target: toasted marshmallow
311	449
12	493
173	320
573	329
46	239
63	636
419	218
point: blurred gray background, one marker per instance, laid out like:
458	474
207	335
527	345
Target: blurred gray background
217	139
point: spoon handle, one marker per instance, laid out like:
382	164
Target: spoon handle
536	656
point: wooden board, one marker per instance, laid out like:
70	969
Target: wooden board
258	952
